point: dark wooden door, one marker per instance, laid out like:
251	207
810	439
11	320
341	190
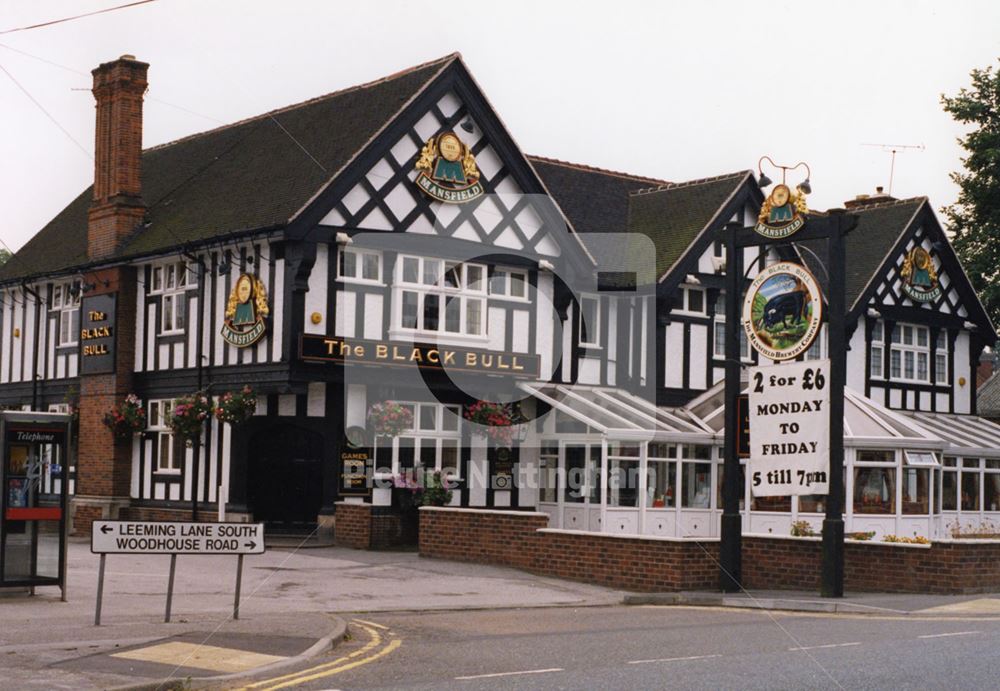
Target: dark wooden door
285	485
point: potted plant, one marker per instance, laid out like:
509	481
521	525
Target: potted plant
435	491
236	408
126	418
188	416
389	419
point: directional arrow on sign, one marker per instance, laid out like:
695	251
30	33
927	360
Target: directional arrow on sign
250	544
106	529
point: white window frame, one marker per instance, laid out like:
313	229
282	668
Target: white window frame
505	290
685	302
171	280
422	287
818	348
941	374
440	433
68	307
719	321
156	423
359	256
877	348
595	331
911	349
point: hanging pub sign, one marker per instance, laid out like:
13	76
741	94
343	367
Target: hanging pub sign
246	309
97	334
790	429
446	170
782	213
783	311
920	280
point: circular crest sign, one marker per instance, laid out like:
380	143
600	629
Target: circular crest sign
783	311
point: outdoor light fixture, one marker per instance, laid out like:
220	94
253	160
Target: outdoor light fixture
804	187
344	239
468	126
225	263
545	265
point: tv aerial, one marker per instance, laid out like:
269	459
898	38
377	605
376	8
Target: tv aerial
895	149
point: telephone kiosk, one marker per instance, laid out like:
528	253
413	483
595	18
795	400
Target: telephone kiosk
35	477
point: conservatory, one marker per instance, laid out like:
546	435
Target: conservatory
611	462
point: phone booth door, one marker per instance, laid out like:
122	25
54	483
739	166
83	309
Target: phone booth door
33	472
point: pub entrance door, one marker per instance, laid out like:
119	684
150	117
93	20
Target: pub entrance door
34	467
285	483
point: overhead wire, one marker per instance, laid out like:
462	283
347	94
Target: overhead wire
62	20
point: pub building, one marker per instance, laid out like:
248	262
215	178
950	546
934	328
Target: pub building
391	242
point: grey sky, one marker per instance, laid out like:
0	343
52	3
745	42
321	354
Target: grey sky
675	90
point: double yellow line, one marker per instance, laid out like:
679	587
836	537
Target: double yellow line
378	646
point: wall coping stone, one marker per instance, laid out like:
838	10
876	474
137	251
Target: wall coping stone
620	536
458	509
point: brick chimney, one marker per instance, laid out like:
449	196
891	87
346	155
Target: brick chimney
104	464
117	206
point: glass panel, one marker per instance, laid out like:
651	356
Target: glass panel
895	364
594	474
720	339
876	367
431	312
498	283
874	490
908	365
168	312
922	366
696	485
474	277
970	491
618	449
721	478
991	491
428	453
877	331
623	483
941	368
180	306
774	504
517	285
166	451
921	337
432	271
409	318
449	457
411	269
449	418
474	317
452	314
942	340
949	491
575	463
406	453
452	275
950	460
696	301
588	320
871	456
661	484
370	268
916	491
428	417
658	449
970	462
937	494
348	263
171	276
547	478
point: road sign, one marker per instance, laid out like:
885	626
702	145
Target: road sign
176	537
790	429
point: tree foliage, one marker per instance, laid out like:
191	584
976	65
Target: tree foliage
5	256
975	217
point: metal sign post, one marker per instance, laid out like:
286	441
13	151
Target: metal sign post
174	538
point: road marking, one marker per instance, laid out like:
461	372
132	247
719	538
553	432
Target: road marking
945	635
510	674
210	657
341	664
672	659
371	623
828	645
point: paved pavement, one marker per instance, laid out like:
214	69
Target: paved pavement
297	603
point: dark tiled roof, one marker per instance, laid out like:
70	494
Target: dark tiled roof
673	216
988	398
879	228
246	176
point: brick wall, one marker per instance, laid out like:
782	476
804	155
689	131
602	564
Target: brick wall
149	513
353	527
521	540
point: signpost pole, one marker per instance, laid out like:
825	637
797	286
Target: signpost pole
100	591
239	582
730	546
832	577
170	587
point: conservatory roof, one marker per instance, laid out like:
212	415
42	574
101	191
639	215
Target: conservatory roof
619	414
962	434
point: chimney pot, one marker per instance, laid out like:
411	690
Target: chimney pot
879	189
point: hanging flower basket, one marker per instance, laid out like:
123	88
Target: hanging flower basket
389	419
494	420
188	416
236	408
126	418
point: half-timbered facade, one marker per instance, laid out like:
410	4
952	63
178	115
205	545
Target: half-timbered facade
592	300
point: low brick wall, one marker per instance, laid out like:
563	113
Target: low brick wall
353	525
150	513
521	540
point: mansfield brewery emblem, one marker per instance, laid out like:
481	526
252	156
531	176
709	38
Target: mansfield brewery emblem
782	213
920	281
246	309
782	311
446	170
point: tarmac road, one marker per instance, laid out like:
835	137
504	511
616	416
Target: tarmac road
647	647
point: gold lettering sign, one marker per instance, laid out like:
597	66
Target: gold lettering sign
246	309
337	349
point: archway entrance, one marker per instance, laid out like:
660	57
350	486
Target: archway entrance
285	483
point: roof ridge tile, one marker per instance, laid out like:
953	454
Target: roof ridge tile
691	183
595	169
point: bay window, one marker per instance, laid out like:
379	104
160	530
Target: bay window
433	443
439	296
909	354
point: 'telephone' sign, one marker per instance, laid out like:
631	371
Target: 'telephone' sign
790	429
